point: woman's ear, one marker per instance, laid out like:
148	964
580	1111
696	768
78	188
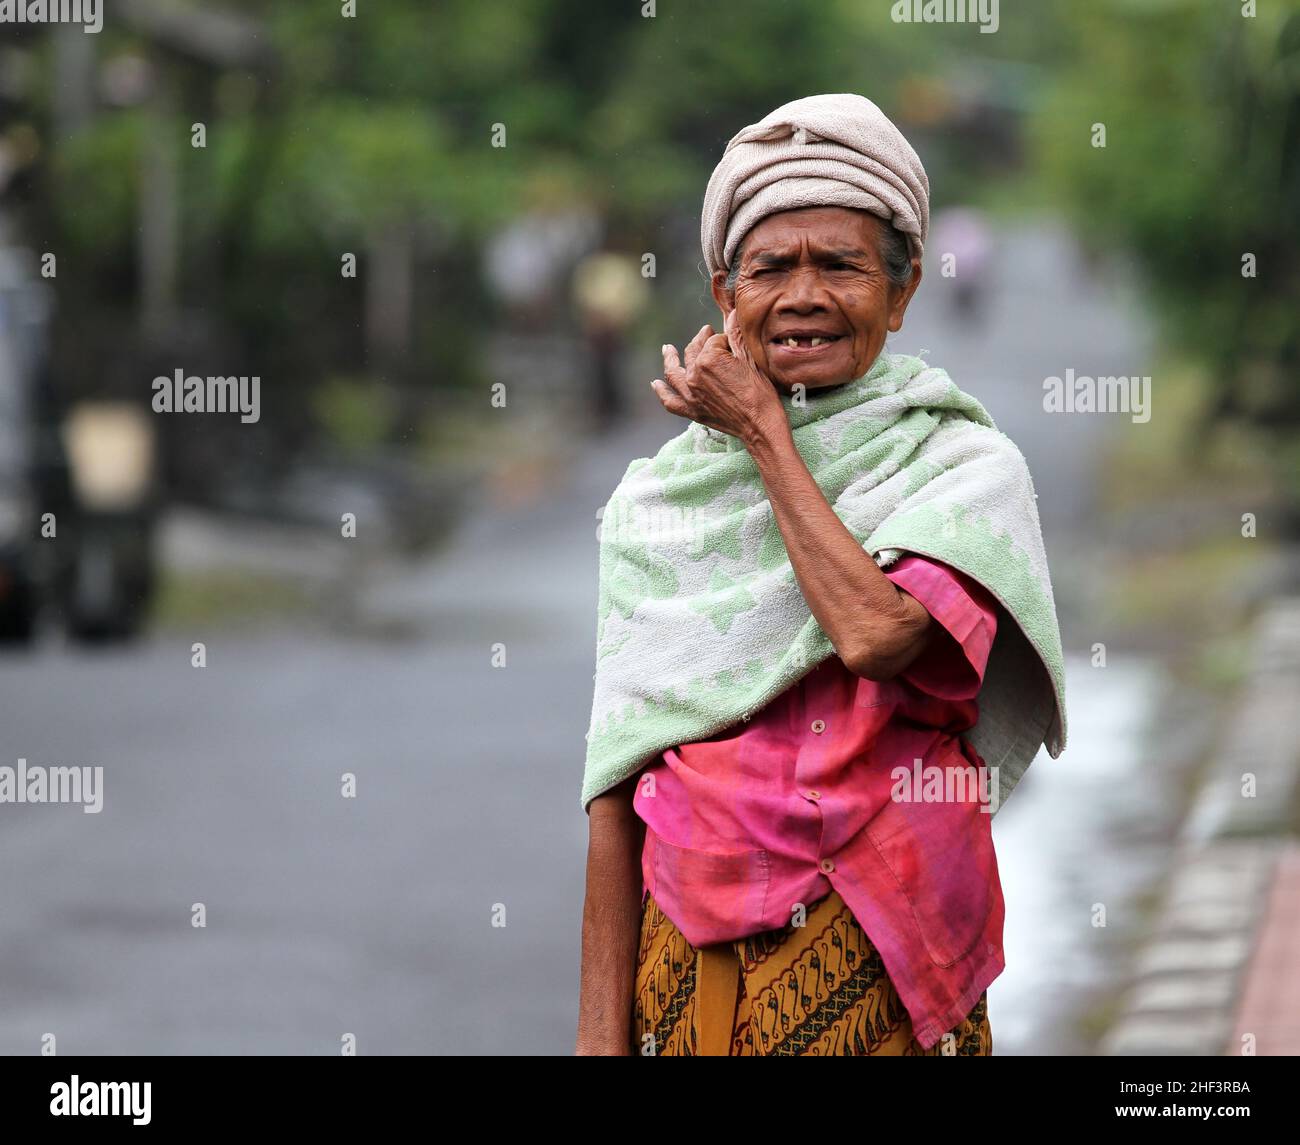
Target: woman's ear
902	296
726	299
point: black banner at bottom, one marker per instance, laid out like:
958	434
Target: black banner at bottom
146	1094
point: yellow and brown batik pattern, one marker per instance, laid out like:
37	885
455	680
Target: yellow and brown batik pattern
816	990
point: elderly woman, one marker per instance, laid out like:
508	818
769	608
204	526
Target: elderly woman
827	646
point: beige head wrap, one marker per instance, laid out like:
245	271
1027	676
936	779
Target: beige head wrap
820	151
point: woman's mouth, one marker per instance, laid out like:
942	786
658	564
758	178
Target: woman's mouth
806	344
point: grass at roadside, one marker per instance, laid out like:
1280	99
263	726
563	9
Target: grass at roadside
231	597
1185	575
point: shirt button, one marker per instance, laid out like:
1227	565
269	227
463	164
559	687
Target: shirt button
813	794
818	726
826	866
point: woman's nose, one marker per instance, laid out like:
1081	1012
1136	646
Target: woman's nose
804	290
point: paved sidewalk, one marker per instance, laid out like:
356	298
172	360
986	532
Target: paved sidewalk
1189	973
1220	973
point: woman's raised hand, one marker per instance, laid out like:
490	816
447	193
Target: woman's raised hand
716	387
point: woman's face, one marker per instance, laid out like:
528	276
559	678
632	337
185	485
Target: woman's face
815	273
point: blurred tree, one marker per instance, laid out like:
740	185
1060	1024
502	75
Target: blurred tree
374	137
1200	180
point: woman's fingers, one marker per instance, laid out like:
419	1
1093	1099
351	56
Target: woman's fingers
736	340
671	388
669	398
674	375
671	361
697	344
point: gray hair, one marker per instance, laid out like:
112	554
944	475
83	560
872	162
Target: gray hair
894	251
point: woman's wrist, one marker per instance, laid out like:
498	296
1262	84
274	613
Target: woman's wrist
768	432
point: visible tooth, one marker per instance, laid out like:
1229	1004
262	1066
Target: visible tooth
817	341
792	341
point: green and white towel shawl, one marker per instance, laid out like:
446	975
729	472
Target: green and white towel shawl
701	621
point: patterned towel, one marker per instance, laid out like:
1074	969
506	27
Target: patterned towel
701	621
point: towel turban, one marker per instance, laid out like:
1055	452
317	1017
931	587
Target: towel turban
820	151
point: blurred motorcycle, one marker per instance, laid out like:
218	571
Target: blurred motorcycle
78	500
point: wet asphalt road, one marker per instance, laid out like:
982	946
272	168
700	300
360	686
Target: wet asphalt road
375	915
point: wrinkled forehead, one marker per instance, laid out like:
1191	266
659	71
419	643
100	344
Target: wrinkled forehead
822	231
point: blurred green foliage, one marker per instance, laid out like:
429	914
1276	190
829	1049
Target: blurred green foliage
357	413
348	134
1200	175
359	130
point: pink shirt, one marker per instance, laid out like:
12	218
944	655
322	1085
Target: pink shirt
773	812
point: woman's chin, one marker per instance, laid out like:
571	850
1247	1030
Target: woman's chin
811	379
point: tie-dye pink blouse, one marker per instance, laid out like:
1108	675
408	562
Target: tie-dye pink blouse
771	813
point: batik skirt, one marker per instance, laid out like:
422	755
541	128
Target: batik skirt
814	990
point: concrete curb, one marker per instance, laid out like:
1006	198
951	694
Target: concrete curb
1192	974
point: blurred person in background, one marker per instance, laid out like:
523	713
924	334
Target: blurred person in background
609	293
807	612
962	234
